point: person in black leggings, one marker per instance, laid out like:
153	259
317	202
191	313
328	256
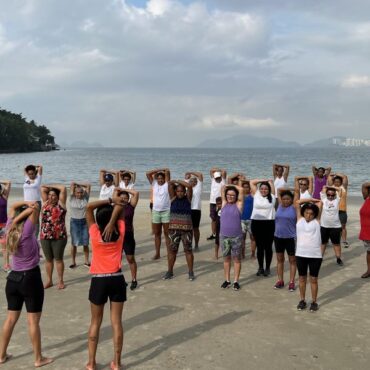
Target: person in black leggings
263	222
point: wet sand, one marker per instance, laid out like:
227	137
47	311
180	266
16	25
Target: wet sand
179	324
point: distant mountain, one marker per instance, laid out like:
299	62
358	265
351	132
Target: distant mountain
247	141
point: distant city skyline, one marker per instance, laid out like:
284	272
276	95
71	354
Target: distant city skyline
165	73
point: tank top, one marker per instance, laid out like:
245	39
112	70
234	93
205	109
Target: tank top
365	220
279	182
305	195
319	183
262	208
129	217
3	211
180	215
161	197
285	222
53	222
308	239
230	221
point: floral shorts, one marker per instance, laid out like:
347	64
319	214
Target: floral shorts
231	246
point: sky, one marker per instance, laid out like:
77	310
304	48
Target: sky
171	73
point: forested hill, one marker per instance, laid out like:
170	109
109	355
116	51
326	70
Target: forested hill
18	135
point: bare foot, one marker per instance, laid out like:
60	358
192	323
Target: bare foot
90	367
44	361
156	257
5	359
48	285
113	366
61	285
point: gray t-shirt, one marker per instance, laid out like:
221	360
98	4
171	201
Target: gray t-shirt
78	206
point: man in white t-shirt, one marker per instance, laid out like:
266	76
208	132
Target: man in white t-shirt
108	180
127	179
195	179
218	180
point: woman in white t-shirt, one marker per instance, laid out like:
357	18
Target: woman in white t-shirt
331	228
308	249
159	179
108	181
263	222
195	179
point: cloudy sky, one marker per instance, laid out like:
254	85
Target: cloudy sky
176	72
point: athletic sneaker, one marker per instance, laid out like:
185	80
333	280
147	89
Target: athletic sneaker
260	272
73	266
133	285
345	244
87	265
211	237
314	307
291	286
267	272
167	276
279	284
339	262
302	305
236	285
191	276
225	284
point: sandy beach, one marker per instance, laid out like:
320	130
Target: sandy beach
179	324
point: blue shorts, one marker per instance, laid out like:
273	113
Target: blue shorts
79	232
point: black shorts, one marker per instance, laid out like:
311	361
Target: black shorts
213	211
29	290
195	217
332	233
102	288
343	217
285	244
305	263
129	243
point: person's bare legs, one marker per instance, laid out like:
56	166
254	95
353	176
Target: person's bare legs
49	267
337	250
133	266
253	247
213	227
6	334
60	271
34	331
367	273
86	253
237	269
314	288
302	287
189	260
243	244
292	268
227	267
171	258
157	231
97	312
165	232
323	249
116	309
196	234
344	233
280	266
73	254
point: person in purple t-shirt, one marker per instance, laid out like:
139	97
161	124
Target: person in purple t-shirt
321	175
24	283
231	234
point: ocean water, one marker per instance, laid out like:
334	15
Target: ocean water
83	164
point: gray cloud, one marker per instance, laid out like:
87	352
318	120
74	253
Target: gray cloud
127	75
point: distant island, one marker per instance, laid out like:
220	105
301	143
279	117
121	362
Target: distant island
250	141
18	135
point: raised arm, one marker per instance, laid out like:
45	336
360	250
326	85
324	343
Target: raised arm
254	183
188	187
150	175
6	188
44	193
327	171
39	169
314	170
286	172
365	188
310	184
167	175
101	177
171	189
271	182
240	201
199	175
62	193
134	196
224	174
344	179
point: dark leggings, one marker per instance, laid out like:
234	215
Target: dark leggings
263	232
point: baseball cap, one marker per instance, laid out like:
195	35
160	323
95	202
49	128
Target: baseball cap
216	174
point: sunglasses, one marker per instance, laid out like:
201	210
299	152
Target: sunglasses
330	195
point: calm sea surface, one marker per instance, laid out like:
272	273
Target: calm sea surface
84	164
